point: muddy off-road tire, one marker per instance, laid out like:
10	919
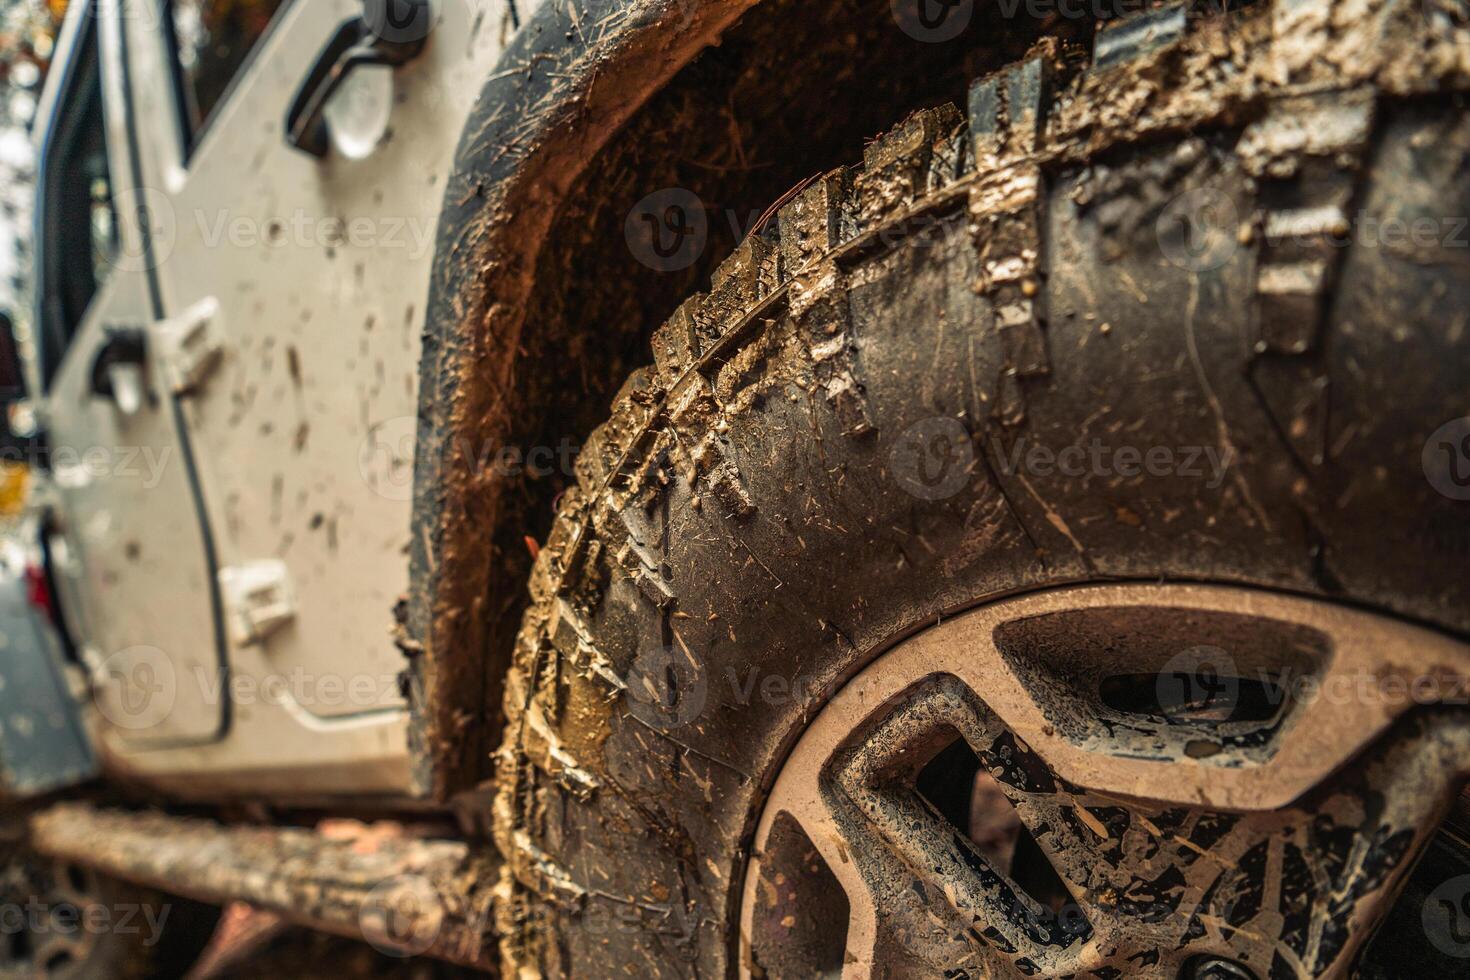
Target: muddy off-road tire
1175	245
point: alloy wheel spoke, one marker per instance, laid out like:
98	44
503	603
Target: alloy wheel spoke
1248	828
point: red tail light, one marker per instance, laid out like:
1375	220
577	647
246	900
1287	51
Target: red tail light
38	591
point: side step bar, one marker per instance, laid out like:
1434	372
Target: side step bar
409	895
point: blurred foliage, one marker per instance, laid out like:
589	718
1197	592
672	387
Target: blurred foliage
14	482
27	30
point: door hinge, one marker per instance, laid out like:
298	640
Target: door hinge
190	346
258	598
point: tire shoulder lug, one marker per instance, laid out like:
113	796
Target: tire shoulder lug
824	318
536	870
1008	112
1307	156
676	344
1010	244
569	635
724	480
543	749
896	165
1141	34
814	222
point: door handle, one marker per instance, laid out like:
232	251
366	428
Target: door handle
390	32
117	367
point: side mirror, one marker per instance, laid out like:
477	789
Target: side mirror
389	33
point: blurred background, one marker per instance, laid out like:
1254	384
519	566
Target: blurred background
27	29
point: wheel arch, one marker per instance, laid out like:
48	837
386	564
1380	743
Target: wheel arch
571	76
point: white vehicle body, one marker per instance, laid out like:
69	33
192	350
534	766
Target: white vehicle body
230	526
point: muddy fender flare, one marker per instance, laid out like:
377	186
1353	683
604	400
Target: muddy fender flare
573	74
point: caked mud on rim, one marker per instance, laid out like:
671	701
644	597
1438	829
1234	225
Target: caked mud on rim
1140	781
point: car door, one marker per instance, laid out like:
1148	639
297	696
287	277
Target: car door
130	544
316	353
302	278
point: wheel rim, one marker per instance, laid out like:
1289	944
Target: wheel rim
1209	827
54	938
